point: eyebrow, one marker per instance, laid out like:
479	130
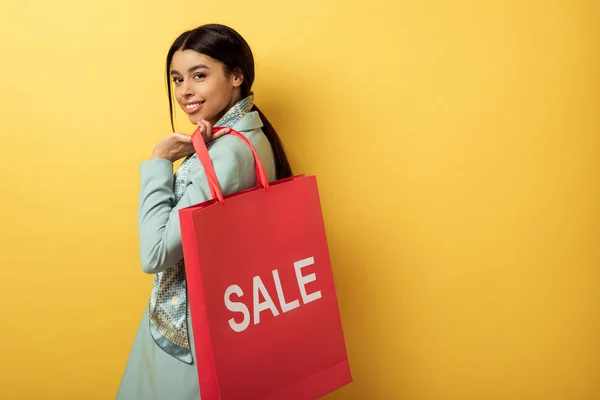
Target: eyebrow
190	70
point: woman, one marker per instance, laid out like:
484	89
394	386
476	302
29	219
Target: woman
212	71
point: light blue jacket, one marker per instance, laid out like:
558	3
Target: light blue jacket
158	220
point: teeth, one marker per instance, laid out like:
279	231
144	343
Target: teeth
190	106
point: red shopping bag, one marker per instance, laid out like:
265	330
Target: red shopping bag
264	309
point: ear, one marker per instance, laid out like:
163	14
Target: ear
237	77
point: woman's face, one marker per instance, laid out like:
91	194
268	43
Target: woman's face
202	88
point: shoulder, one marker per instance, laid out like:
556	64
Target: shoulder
249	122
250	126
232	149
232	156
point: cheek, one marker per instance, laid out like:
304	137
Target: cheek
220	94
208	90
177	94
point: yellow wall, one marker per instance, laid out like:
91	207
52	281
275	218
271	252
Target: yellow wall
457	149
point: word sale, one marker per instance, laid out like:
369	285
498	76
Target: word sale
268	304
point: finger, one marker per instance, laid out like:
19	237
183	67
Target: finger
204	129
182	137
220	132
200	127
208	128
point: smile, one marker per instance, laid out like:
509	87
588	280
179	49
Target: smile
192	107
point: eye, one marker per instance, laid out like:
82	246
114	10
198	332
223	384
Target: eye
199	76
177	80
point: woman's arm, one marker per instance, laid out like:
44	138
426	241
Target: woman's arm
158	222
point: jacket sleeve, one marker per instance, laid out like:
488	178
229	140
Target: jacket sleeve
158	218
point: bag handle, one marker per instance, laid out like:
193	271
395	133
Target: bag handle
209	169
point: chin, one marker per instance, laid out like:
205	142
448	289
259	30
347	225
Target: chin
194	119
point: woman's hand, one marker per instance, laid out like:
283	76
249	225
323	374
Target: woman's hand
173	147
205	129
179	145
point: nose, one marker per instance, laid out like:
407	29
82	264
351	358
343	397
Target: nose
188	88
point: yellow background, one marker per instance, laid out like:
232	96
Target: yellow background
457	150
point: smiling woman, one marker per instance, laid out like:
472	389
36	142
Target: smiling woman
212	70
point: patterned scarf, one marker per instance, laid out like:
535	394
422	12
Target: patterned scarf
168	301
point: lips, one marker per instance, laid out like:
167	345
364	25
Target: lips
191	108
